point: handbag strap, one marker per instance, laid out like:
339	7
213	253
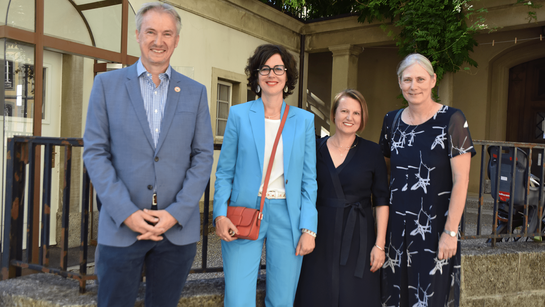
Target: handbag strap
394	123
271	161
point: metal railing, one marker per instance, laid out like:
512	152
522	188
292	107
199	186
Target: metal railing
318	107
205	226
22	151
21	183
205	223
510	220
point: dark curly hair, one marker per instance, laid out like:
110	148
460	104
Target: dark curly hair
262	55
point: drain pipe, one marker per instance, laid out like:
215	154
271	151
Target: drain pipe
301	70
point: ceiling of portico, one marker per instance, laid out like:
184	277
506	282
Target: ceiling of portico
94	23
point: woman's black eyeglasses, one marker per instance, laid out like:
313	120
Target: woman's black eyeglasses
265	70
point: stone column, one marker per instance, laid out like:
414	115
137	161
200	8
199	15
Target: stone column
71	117
345	70
445	89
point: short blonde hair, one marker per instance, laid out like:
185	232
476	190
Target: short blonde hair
354	94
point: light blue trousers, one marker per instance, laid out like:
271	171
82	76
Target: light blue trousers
241	259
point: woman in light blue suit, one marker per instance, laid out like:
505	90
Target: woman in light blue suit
289	213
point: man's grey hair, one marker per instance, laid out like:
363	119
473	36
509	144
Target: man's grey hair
160	7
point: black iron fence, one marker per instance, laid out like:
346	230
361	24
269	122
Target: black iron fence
23	151
23	174
515	173
23	180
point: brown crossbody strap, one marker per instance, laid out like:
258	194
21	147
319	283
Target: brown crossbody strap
271	160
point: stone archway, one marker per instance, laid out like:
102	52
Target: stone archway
499	85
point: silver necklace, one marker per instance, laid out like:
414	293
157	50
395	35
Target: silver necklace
347	149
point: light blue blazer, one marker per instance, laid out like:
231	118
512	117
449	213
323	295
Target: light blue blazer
240	166
124	165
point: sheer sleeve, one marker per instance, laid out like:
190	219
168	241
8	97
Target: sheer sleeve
460	141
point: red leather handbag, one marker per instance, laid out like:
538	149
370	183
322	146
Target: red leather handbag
248	220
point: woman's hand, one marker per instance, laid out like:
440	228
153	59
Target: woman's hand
225	229
377	258
447	246
306	245
378	254
460	166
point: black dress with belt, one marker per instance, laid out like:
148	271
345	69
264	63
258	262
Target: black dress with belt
337	272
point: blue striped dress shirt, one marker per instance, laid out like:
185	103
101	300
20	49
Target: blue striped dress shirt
154	98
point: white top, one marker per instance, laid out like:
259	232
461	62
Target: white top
276	181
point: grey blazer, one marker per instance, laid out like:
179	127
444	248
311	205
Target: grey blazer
124	166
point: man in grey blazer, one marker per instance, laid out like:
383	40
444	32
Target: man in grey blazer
148	148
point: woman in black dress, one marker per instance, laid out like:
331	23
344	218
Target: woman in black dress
429	149
352	179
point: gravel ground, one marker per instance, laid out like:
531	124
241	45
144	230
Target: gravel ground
214	259
214	246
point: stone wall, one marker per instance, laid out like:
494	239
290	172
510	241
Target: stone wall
512	274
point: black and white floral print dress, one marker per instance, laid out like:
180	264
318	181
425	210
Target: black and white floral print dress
420	187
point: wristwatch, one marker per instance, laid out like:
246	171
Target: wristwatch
450	233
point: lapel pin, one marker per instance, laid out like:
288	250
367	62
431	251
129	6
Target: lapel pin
177	89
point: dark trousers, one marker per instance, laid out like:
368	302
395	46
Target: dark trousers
167	267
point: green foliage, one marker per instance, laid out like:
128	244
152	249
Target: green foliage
441	30
532	15
314	9
435	28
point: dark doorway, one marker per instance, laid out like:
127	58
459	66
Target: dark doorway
526	106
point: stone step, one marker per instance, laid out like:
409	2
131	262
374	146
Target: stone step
512	274
47	290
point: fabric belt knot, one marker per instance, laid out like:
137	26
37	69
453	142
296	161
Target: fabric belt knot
357	212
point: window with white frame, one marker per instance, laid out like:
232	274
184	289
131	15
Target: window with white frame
227	89
223	102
